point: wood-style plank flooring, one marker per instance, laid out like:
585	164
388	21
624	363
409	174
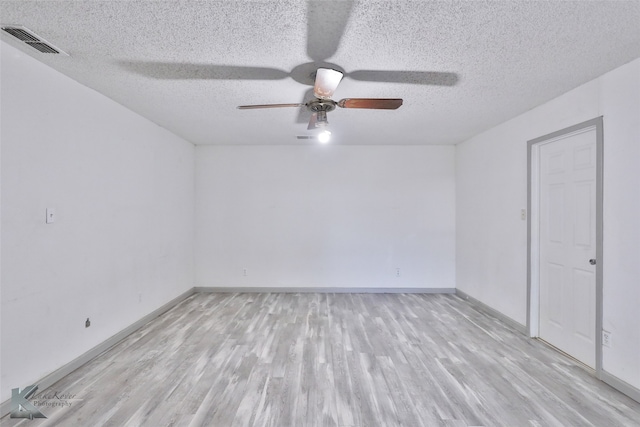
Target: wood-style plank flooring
333	360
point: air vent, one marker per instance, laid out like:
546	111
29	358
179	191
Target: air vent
27	36
20	34
43	47
306	137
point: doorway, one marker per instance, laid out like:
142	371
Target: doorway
565	241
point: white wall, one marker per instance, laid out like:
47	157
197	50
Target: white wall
325	216
620	106
491	182
122	243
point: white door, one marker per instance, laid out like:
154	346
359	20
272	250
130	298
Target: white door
567	244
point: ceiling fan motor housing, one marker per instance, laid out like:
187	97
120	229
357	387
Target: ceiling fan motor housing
320	105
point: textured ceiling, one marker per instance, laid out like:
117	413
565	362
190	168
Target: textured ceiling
461	67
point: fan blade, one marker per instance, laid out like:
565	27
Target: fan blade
313	121
411	77
304	114
371	103
327	80
251	107
326	21
180	71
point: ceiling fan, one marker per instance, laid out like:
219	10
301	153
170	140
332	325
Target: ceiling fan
326	23
326	82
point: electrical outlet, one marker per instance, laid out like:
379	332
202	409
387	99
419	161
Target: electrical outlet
87	323
523	214
397	272
606	338
139	298
244	272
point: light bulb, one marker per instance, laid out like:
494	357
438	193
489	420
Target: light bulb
324	136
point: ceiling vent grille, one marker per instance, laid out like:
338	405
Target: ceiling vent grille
25	35
43	47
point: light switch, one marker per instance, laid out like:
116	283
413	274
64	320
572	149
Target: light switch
523	214
51	215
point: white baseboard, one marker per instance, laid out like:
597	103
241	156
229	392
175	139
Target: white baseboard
323	290
65	370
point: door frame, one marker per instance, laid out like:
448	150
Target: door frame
533	230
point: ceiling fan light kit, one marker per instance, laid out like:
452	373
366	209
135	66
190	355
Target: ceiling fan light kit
324	137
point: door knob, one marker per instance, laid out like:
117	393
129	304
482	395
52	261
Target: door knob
592	261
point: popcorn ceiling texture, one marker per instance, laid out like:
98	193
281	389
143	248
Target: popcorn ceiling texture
158	58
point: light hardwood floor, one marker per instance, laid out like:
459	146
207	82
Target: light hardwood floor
333	360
